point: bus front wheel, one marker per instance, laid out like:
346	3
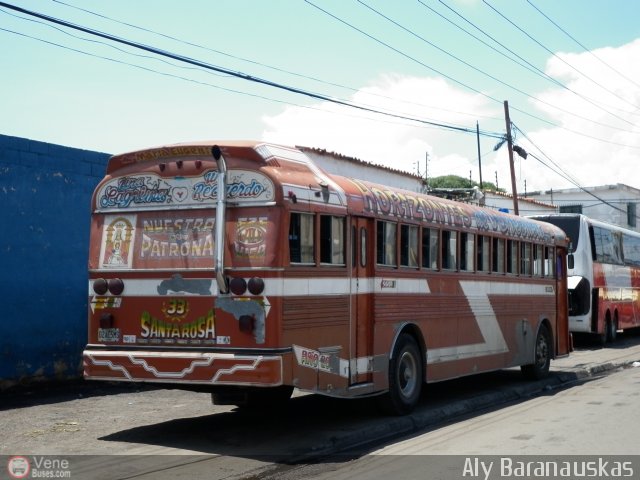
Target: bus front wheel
405	377
539	369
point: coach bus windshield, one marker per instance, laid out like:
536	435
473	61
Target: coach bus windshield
569	224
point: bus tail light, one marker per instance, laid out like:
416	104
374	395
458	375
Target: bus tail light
246	323
256	285
100	286
238	286
116	286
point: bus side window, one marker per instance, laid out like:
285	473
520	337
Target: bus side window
631	250
537	260
409	246
354	248
363	247
525	258
608	245
549	264
386	247
484	253
301	238
512	257
467	242
449	250
430	248
332	239
498	255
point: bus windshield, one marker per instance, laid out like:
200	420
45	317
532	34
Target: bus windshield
570	224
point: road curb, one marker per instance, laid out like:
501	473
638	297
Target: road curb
387	428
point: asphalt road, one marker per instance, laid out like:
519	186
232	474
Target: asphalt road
122	431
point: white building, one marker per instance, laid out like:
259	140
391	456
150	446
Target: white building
616	204
352	167
338	164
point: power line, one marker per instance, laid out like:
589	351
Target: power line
523	63
271	67
493	77
563	174
581	45
233	73
462	83
561	59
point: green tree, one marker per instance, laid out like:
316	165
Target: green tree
455	181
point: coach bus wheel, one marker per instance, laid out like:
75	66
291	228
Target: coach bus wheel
405	377
542	359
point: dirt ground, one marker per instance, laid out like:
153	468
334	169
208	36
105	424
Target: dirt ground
78	417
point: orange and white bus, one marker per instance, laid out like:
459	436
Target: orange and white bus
603	275
246	270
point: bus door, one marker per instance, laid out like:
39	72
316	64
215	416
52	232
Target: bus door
362	290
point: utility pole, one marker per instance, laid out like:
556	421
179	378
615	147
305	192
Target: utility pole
514	191
426	171
479	158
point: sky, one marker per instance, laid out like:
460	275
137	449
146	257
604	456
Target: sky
404	84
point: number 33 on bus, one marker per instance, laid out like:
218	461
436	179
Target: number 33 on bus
246	270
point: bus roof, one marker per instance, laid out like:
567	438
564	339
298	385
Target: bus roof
359	197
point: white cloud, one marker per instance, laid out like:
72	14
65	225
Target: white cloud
572	145
385	140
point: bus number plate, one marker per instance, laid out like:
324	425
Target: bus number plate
108	334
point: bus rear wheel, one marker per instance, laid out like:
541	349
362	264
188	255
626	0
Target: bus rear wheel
405	377
539	369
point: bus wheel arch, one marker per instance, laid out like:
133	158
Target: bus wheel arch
406	372
543	353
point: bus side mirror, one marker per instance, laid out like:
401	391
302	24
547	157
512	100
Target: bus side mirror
570	262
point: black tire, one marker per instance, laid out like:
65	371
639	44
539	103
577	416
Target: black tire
539	369
405	378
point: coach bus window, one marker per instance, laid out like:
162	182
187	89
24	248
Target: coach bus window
484	253
525	258
448	250
607	245
409	246
631	250
430	248
386	248
549	264
332	239
512	256
467	241
301	238
537	260
497	264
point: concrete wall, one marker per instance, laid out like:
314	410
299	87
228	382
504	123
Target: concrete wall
607	203
45	194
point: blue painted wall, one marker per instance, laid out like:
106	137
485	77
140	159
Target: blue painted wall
45	195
